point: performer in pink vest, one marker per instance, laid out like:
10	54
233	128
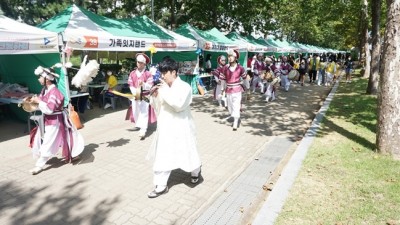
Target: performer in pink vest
285	68
58	129
221	60
270	83
257	69
140	80
232	79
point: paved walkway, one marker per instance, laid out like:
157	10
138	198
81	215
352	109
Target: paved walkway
109	184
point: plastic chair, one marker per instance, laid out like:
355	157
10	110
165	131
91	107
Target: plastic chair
113	99
38	119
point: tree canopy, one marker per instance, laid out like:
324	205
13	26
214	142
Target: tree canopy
325	23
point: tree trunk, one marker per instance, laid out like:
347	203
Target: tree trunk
388	129
172	12
373	81
214	15
367	52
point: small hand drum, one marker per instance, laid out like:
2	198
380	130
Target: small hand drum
27	105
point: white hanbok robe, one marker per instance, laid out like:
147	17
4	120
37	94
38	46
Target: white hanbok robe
174	145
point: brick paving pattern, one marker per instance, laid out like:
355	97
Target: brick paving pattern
108	184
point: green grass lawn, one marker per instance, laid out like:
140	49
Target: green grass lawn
343	180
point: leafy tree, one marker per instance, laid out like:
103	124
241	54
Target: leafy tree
376	48
388	132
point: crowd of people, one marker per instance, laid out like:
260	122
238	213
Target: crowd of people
167	99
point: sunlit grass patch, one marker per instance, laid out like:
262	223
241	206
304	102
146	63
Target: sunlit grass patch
343	180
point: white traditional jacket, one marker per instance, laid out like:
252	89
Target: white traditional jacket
174	145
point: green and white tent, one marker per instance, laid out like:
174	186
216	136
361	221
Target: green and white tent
212	42
22	49
84	30
143	23
250	45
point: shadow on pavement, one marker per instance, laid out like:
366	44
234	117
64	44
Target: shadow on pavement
290	115
28	205
179	176
87	155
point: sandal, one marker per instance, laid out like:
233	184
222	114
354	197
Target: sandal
155	194
195	180
36	170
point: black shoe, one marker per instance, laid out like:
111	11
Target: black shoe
195	180
155	194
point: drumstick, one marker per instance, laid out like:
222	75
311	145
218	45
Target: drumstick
130	96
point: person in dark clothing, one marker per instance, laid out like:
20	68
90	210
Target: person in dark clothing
348	65
303	68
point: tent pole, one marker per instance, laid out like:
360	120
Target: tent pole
64	69
152	10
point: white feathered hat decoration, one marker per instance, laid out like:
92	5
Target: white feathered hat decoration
86	73
45	72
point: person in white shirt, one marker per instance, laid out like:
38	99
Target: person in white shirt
174	145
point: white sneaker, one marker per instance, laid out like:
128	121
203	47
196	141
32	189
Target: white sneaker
36	170
108	105
142	134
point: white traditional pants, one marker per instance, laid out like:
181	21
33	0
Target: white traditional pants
285	82
52	140
140	111
218	93
269	93
234	100
257	81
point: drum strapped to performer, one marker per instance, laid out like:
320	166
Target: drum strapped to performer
269	76
293	75
262	74
276	80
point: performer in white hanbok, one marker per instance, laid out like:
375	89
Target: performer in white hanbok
58	128
232	83
221	60
271	81
174	144
257	68
140	80
285	68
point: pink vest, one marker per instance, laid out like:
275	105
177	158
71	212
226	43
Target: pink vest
55	102
218	72
232	78
259	66
287	67
134	80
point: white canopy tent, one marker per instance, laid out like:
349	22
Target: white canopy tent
84	30
22	49
20	38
